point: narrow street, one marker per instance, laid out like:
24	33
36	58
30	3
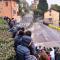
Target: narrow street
41	34
44	35
29	29
26	20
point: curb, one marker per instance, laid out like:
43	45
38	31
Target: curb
54	27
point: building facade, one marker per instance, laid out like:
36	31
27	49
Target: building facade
52	17
34	4
8	8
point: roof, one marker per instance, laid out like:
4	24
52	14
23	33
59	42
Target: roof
54	10
51	10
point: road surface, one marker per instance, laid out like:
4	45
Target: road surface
44	35
26	20
41	34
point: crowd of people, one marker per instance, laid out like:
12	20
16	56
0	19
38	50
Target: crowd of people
24	46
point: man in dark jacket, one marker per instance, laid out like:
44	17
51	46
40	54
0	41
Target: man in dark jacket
18	39
23	52
32	46
14	30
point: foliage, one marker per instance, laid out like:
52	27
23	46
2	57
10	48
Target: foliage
55	7
42	6
6	45
23	7
36	14
2	22
20	11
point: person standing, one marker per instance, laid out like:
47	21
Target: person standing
18	39
23	52
52	53
32	46
43	55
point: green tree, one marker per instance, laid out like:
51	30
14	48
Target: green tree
55	7
42	6
23	7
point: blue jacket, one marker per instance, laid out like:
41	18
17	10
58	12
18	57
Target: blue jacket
22	52
26	40
13	29
17	41
32	47
31	57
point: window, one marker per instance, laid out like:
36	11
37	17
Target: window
50	19
50	14
14	11
6	3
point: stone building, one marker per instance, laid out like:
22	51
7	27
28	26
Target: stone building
52	17
34	4
8	8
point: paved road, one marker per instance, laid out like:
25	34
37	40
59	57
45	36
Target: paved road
40	33
44	35
26	20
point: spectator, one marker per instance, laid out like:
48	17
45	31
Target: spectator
9	21
18	39
12	22
15	31
32	46
49	58
22	29
23	53
43	55
56	49
28	33
31	57
58	55
52	53
19	28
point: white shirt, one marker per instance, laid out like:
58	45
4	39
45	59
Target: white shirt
52	53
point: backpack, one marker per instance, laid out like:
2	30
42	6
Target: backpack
22	52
